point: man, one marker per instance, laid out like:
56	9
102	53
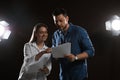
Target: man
74	65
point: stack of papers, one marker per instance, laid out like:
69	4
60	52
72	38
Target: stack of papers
36	65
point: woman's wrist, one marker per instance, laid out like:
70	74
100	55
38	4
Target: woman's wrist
42	52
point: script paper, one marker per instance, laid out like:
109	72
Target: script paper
61	50
35	66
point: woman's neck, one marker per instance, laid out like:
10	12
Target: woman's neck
40	44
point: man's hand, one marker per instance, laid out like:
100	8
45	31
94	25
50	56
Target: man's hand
70	57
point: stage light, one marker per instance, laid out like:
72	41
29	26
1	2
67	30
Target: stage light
116	24
4	30
113	25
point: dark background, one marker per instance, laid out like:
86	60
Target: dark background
23	15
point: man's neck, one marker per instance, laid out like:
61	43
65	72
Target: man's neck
66	28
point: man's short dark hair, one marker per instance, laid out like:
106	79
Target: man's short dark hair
59	11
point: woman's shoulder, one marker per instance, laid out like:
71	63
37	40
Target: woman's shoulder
28	44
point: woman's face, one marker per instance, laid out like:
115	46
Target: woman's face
42	34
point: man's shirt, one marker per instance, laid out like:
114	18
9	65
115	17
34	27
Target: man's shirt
80	42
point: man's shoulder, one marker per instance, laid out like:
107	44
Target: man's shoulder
78	28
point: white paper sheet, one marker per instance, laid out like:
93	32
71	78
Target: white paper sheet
35	66
61	50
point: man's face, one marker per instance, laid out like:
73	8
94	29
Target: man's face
61	21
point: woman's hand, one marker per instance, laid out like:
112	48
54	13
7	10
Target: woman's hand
48	50
45	70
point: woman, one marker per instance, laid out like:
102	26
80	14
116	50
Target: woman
37	57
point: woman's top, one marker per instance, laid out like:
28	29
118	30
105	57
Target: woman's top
30	69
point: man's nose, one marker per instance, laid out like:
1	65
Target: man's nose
58	23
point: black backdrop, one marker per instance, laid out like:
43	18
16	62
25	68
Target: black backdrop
23	15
